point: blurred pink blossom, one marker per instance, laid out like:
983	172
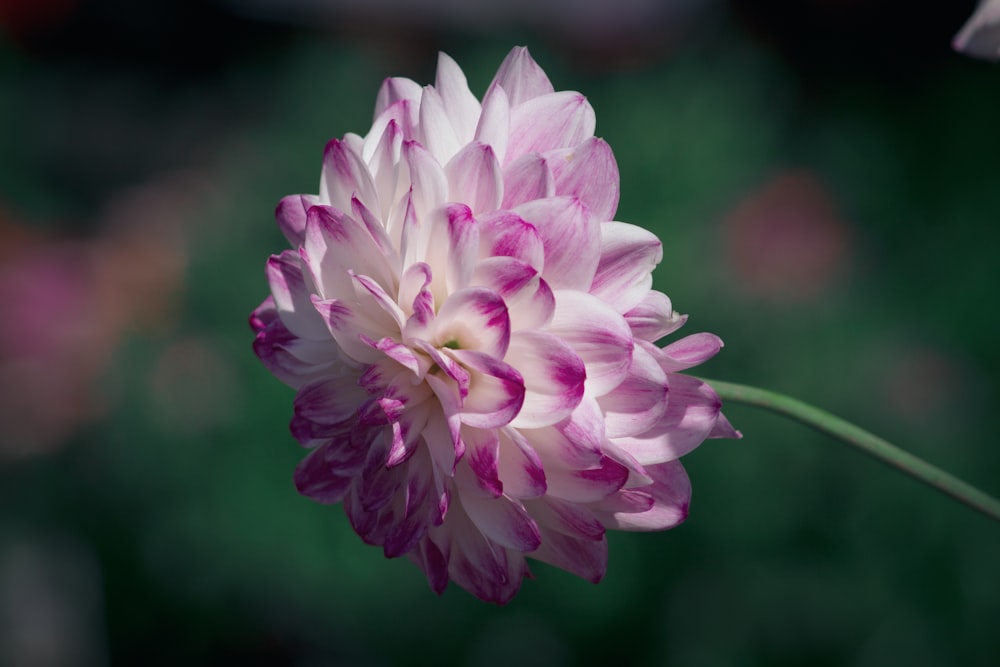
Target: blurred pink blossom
980	36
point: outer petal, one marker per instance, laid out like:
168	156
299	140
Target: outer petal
460	104
554	378
518	466
691	414
326	474
653	317
571	237
494	122
504	234
530	302
637	404
474	178
585	558
436	130
396	89
688	352
549	122
291	216
521	77
292	296
670	493
625	270
599	336
503	521
345	175
525	179
336	243
589	172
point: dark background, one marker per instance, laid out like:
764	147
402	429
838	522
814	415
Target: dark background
823	175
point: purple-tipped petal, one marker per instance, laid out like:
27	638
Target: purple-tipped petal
345	176
637	404
291	292
670	494
598	334
494	122
688	352
691	414
496	390
473	319
530	301
503	521
291	216
554	378
587	559
505	234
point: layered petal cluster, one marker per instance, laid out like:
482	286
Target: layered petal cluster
472	336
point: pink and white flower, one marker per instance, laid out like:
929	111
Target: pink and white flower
471	336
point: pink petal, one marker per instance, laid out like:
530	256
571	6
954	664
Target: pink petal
474	318
494	121
482	453
323	476
670	493
349	326
496	390
396	89
625	271
293	360
980	36
691	415
586	486
481	566
587	559
598	335
723	429
588	172
526	179
336	243
553	378
434	564
474	178
436	132
503	521
688	351
549	122
653	317
519	467
566	518
521	77
530	302
428	184
329	401
575	443
571	238
637	404
292	296
505	234
345	175
291	216
459	103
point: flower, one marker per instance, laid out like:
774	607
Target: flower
980	36
471	336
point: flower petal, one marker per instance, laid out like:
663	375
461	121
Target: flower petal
554	378
549	122
688	352
459	103
436	131
521	77
503	521
345	175
519	467
473	319
587	559
291	291
571	238
670	493
588	172
637	404
474	178
653	317
598	335
691	414
526	179
530	302
494	121
496	390
291	216
504	234
625	271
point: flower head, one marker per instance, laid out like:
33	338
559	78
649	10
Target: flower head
471	336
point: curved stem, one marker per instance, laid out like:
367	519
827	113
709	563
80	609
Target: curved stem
860	439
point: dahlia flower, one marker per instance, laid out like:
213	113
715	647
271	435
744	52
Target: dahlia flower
471	336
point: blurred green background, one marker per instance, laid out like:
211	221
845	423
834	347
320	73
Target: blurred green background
823	175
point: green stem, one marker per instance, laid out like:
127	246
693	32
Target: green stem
863	440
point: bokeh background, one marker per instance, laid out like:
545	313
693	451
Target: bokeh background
824	175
